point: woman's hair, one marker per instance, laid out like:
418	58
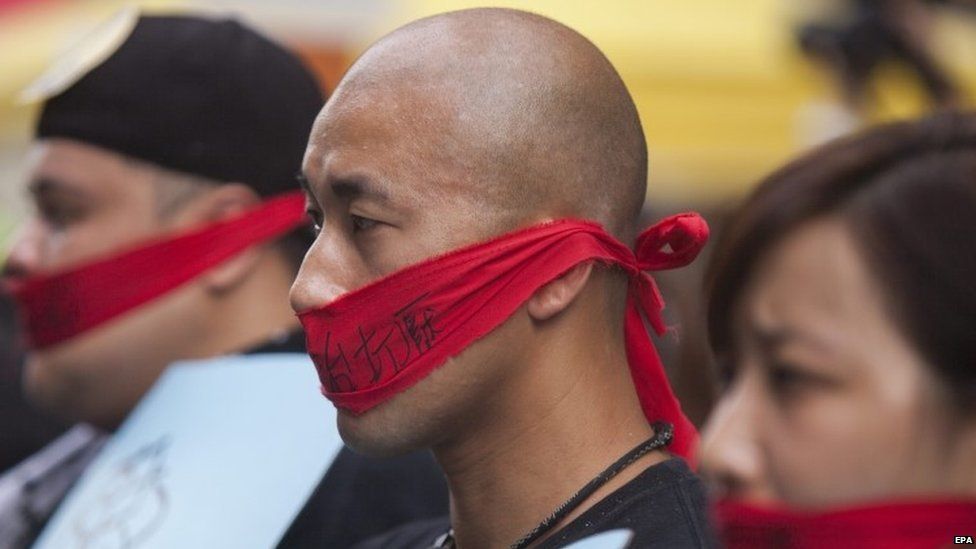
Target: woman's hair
907	193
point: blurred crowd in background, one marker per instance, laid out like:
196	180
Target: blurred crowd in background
726	91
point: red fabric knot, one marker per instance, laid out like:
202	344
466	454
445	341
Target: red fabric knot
685	235
668	244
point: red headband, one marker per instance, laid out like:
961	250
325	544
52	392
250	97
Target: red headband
58	306
379	340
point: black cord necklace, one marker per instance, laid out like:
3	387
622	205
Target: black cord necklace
663	432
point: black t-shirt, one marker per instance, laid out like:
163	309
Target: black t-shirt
665	507
360	496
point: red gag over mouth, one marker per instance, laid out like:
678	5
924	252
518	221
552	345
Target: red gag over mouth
58	306
377	341
917	524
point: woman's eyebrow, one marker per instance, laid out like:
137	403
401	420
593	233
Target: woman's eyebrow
771	339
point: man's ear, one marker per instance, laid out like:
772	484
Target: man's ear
555	296
224	201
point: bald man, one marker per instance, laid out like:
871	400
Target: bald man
450	131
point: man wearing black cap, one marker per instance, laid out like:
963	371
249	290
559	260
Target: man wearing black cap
161	125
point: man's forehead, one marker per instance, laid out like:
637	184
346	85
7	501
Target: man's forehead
411	124
56	151
69	165
379	129
394	106
55	165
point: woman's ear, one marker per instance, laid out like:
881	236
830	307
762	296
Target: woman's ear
224	201
555	296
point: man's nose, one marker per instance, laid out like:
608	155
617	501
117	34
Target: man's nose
730	457
24	258
325	274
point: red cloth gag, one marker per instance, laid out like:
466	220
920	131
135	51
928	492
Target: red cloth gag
58	306
920	524
381	339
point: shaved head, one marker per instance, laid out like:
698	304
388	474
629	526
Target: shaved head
451	130
530	117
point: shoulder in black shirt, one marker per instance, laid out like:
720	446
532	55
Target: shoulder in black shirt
665	507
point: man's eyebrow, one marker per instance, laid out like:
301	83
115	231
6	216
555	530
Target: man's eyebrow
354	186
303	182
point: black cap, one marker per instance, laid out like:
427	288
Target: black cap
202	96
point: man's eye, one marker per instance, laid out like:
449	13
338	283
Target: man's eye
362	223
58	215
316	218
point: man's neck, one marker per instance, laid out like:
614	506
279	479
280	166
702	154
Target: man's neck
546	440
256	314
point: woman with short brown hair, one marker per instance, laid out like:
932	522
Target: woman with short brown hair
842	307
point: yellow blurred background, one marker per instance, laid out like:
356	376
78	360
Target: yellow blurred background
723	90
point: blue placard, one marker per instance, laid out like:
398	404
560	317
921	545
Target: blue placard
221	453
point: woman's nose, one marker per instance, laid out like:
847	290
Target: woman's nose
730	457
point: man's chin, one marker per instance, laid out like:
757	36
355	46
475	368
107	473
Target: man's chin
44	387
65	390
376	433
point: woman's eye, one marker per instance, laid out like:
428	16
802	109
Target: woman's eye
727	373
785	379
362	223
